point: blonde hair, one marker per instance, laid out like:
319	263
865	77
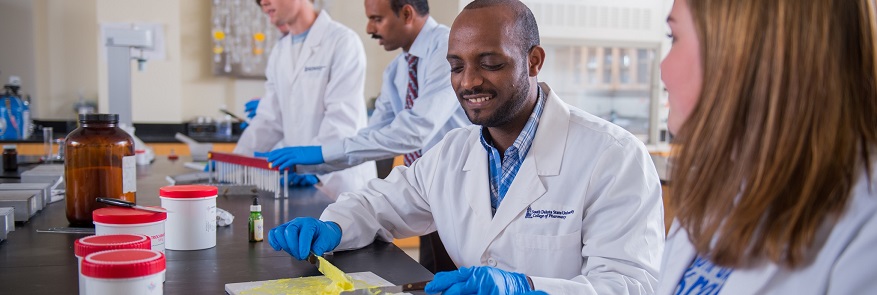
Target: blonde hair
785	123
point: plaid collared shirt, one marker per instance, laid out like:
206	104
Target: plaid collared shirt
503	169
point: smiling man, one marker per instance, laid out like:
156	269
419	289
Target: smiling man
536	195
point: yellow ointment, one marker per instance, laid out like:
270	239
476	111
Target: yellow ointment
340	280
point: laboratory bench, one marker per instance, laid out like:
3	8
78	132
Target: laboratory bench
34	262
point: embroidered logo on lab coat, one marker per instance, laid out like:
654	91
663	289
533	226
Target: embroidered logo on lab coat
317	68
547	213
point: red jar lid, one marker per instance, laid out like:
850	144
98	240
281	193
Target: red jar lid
123	264
187	191
117	215
91	244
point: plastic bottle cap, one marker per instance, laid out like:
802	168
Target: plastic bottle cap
123	264
255	207
92	244
187	191
111	118
117	215
9	147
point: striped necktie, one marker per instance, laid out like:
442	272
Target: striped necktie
410	97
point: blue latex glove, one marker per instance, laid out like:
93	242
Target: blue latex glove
304	235
479	280
285	158
297	180
250	107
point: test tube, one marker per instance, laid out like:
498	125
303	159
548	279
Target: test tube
60	154
47	144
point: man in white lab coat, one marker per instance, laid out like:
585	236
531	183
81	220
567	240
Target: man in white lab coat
415	109
314	92
537	195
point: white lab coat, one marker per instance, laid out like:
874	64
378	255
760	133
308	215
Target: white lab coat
314	98
844	264
605	234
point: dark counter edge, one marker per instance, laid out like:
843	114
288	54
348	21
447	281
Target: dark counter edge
147	132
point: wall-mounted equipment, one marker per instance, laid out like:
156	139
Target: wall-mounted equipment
15	122
242	38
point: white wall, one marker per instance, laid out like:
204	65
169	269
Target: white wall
52	49
17	56
66	58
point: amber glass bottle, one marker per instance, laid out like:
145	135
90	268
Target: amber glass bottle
99	162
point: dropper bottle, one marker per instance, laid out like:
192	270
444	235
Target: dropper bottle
257	228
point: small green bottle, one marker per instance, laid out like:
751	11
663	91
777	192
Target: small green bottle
257	230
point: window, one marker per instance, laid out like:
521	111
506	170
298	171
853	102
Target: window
614	83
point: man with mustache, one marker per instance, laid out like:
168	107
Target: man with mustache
536	195
415	109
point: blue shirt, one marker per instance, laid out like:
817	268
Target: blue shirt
703	278
300	38
504	168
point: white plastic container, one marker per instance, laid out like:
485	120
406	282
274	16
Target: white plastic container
140	157
191	218
115	220
93	244
127	271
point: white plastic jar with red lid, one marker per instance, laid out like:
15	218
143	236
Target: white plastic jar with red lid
191	218
116	220
93	244
126	271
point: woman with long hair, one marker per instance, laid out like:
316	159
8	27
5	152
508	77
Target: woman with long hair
774	107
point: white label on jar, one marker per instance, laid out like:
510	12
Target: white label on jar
158	240
129	174
258	230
